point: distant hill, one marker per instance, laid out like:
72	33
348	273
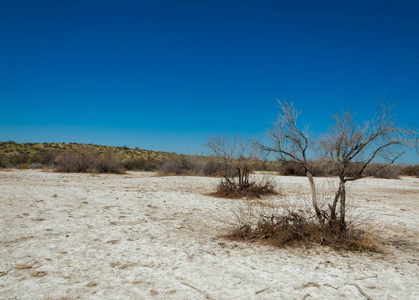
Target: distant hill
14	154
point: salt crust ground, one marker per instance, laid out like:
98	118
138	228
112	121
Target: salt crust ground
139	236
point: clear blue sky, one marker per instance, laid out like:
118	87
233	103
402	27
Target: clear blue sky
166	75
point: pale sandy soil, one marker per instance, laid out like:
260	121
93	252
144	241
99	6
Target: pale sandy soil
138	236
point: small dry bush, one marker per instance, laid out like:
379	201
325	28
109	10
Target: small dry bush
109	163
3	161
323	168
82	161
182	165
291	169
412	170
45	157
383	171
319	168
283	225
75	162
36	166
255	188
142	164
15	160
24	166
213	167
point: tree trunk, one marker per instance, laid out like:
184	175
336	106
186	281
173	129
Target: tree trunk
333	217
314	197
333	221
342	222
340	195
246	176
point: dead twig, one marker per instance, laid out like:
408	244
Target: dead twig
196	289
259	292
5	273
329	285
361	291
362	278
305	296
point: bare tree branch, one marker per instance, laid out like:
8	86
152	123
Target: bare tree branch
351	147
291	144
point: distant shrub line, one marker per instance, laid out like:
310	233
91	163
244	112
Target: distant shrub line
101	159
326	169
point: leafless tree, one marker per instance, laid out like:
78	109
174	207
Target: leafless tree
235	155
349	146
238	158
352	146
292	144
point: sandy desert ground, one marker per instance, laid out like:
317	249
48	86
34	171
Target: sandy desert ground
140	236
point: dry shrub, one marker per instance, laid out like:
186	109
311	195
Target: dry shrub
135	164
262	165
35	166
412	170
390	172
17	159
46	157
182	165
323	168
291	169
82	161
254	188
3	161
383	171
319	168
75	162
109	163
213	167
142	164
24	166
282	225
